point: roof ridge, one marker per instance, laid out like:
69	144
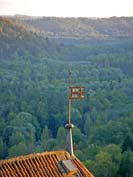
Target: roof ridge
34	155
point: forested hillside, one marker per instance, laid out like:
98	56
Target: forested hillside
82	27
34	96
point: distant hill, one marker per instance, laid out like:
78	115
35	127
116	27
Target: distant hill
81	27
98	28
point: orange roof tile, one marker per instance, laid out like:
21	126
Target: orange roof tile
44	164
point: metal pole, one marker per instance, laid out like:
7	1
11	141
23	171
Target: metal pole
71	142
69	126
69	110
70	129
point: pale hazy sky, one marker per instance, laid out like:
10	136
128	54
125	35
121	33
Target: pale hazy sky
68	8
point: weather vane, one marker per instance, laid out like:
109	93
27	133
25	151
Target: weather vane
75	92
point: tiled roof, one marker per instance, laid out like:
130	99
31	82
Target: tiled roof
44	164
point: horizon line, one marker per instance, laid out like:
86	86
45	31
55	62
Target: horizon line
95	17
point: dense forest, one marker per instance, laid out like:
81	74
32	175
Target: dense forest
34	91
